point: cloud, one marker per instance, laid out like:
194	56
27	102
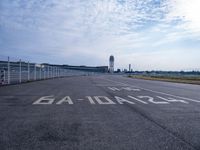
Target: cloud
73	31
187	11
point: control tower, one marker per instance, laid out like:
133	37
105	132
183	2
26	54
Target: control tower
111	64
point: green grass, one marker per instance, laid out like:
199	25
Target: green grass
177	79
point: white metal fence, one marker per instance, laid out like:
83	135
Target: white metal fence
12	72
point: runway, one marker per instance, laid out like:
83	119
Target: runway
100	112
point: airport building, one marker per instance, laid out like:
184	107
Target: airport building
101	69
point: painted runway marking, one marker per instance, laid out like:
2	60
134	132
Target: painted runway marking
66	99
158	92
172	100
90	100
113	89
80	99
122	100
151	99
124	88
103	100
137	99
45	100
108	85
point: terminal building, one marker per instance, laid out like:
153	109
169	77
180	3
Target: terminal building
100	69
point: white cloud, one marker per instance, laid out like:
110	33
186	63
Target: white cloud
188	11
66	29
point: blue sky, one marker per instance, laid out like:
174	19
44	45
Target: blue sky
149	34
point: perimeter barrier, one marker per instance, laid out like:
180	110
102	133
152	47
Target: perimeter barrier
19	71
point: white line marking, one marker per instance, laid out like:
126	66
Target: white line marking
99	100
137	99
189	99
108	85
90	100
172	100
130	89
151	99
45	100
122	100
80	99
113	88
66	99
124	88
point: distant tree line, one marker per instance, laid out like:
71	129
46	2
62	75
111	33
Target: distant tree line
160	72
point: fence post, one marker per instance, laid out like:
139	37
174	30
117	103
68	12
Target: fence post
48	71
20	71
28	71
57	72
51	71
44	71
8	70
54	72
40	73
35	72
4	76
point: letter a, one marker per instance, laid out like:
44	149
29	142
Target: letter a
66	99
122	100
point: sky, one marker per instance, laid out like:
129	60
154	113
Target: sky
148	34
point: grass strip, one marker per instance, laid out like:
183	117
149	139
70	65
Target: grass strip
176	79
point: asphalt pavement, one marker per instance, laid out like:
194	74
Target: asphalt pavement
102	112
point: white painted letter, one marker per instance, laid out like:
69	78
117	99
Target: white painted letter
122	100
90	99
46	100
137	99
113	88
151	99
130	89
172	100
66	99
108	101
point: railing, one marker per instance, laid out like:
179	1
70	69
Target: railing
12	72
